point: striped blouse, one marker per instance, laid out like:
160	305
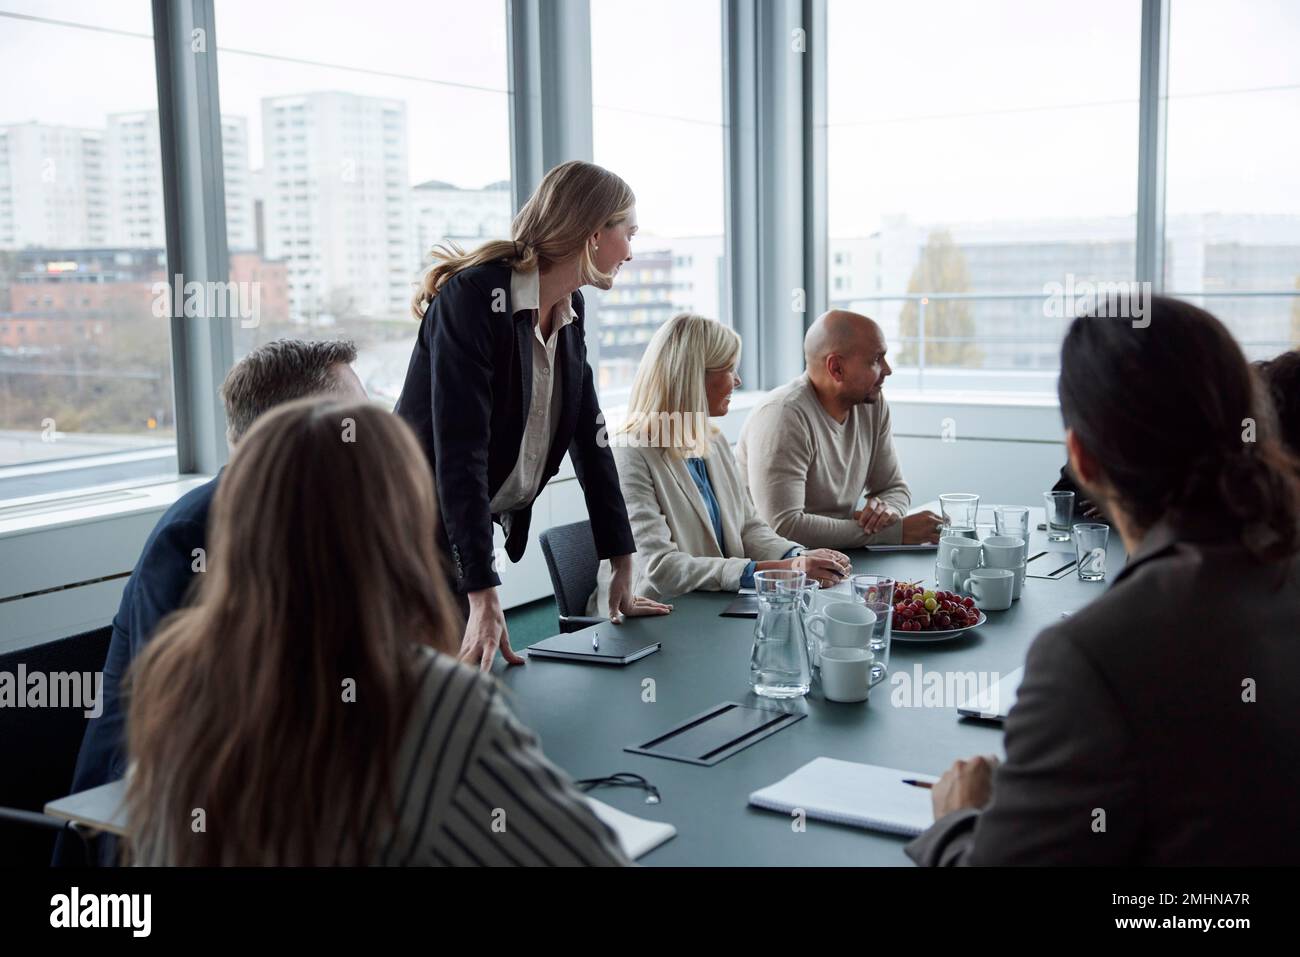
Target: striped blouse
474	788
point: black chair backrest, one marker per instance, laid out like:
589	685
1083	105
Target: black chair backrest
39	746
571	559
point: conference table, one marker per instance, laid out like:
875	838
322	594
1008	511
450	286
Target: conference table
587	714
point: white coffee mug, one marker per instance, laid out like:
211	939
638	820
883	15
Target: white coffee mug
991	587
846	674
1007	551
1004	551
839	624
948	579
963	553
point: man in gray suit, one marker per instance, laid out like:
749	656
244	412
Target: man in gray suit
1161	723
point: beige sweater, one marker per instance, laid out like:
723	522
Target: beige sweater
806	472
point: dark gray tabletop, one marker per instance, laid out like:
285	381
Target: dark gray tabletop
587	714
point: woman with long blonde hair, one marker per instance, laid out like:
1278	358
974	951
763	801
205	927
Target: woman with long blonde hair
499	389
693	518
308	708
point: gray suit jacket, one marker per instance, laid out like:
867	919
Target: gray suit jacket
1158	725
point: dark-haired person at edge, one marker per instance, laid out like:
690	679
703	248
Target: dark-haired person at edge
499	389
1160	724
1280	378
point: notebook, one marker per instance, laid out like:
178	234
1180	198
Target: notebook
744	606
636	835
604	644
862	795
918	547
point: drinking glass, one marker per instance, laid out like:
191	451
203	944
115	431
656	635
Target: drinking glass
1090	550
1060	515
877	593
959	510
1012	520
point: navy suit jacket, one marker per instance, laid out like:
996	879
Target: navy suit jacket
467	393
158	586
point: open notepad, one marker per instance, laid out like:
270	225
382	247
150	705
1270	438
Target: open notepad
636	835
863	795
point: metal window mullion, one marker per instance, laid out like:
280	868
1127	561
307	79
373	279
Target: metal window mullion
740	165
189	119
816	238
1152	115
781	186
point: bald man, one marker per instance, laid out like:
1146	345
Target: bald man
817	445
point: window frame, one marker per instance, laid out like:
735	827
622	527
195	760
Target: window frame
774	113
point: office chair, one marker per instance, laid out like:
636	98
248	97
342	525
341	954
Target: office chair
39	746
572	561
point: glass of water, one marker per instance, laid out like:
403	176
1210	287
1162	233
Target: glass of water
959	510
1060	515
1012	520
877	593
1090	540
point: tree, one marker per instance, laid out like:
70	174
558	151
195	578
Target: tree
942	268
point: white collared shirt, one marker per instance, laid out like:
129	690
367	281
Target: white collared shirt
520	486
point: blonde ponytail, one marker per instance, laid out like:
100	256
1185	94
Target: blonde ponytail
574	200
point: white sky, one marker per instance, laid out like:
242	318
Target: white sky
897	73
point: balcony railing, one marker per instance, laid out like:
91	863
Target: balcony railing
1022	377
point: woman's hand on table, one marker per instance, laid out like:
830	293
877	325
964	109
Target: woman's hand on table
825	566
485	632
622	603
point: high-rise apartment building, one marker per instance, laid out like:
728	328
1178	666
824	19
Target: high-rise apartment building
133	159
52	189
337	206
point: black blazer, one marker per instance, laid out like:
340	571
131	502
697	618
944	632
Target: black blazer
467	393
1159	725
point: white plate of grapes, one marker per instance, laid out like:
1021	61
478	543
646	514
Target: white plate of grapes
927	614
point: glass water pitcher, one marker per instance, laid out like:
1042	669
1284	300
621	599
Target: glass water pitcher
778	666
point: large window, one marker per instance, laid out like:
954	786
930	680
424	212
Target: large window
85	364
656	89
977	153
356	137
1232	233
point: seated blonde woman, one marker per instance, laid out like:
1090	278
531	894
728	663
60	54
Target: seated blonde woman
692	517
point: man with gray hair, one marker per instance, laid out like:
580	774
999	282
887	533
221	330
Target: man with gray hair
270	375
817	445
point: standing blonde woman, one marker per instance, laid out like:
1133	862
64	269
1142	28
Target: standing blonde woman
499	389
310	702
693	519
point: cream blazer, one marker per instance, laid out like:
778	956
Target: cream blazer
676	550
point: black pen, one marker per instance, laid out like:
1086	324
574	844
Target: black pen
1063	567
918	784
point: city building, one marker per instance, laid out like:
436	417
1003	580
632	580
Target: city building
134	163
337	205
442	212
52	186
